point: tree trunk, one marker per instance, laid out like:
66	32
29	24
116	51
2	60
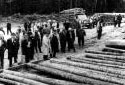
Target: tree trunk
92	61
11	82
50	81
100	76
20	79
108	49
104	53
113	71
67	75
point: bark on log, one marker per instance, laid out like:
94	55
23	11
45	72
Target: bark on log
20	79
120	44
85	73
67	75
109	49
105	57
50	81
104	53
92	61
111	71
11	82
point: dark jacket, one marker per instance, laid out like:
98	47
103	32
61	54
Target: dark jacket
8	26
54	43
3	47
12	47
81	33
71	36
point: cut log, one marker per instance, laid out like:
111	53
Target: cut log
85	72
20	79
112	71
11	82
105	57
67	75
50	81
92	61
117	43
109	49
104	53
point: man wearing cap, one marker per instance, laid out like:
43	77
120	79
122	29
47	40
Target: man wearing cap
13	47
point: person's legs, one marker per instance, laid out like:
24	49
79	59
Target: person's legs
10	62
82	42
2	59
39	46
45	57
15	59
79	42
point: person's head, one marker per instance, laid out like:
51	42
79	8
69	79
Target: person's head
13	35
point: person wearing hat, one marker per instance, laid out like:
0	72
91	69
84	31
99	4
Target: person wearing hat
54	43
71	39
13	47
2	50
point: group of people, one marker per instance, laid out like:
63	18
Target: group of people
117	20
47	38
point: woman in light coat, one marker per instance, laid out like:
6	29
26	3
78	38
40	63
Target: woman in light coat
46	46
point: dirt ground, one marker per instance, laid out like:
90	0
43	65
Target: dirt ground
91	42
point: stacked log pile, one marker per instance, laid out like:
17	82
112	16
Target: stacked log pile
104	67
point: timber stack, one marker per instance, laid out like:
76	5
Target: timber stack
101	67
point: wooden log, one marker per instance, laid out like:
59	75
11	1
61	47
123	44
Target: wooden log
112	71
67	75
85	72
117	43
20	79
109	49
11	82
50	81
92	61
105	57
104	53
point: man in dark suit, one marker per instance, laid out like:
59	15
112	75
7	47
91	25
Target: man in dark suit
13	47
9	28
2	50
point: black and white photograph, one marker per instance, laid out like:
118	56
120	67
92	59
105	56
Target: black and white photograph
62	42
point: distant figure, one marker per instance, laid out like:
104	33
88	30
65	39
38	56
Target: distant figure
9	28
81	35
99	29
2	50
119	19
26	26
13	47
115	21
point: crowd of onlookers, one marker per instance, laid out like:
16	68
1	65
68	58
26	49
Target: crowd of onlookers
47	38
